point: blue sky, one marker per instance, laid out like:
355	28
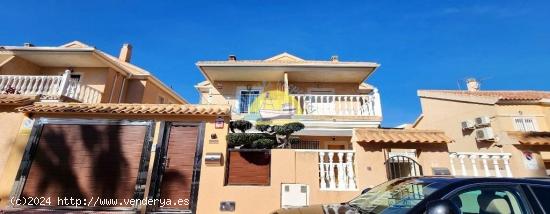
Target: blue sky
420	45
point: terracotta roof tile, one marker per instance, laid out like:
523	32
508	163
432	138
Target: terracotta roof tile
369	135
16	99
501	95
531	138
109	108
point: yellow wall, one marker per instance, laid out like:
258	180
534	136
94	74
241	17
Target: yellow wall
152	92
13	141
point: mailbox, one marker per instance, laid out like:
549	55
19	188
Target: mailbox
213	159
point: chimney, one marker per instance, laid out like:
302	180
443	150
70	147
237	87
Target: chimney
232	58
334	58
125	52
472	84
28	44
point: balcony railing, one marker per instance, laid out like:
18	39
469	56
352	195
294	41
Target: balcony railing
336	169
490	163
345	105
49	87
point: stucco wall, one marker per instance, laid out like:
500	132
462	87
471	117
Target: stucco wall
13	140
447	116
93	77
19	66
152	92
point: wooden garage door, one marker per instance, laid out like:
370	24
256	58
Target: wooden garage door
177	178
85	161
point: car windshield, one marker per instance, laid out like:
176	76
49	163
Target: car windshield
395	196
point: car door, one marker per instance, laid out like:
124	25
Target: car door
490	198
542	196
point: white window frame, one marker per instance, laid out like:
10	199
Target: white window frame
523	127
238	96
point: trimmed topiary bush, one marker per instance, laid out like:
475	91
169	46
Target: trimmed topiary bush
241	125
264	143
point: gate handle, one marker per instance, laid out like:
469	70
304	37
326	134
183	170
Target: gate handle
167	163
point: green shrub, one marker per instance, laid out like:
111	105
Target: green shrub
241	125
264	143
263	127
245	140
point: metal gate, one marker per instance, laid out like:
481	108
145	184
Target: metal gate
402	166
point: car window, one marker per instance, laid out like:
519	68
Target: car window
491	200
543	195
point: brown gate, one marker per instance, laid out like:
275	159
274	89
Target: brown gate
402	166
178	166
85	161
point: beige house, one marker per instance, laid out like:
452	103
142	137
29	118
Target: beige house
341	151
71	73
496	133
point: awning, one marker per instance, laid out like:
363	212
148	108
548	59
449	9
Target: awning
531	138
370	135
139	109
17	99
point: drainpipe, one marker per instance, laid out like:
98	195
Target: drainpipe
122	87
113	88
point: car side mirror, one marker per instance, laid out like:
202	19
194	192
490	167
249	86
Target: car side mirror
365	190
443	206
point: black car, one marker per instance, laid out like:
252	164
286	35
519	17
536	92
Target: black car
445	195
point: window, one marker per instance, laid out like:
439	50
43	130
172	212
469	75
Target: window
525	124
488	200
306	144
76	77
543	195
161	100
246	99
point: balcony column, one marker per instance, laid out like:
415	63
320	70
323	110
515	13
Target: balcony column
377	103
484	159
351	174
64	82
495	165
286	83
463	165
332	178
341	170
474	164
452	156
322	170
505	159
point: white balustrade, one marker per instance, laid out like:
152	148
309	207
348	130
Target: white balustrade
50	86
346	105
336	170
498	161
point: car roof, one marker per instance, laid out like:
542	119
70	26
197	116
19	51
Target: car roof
473	180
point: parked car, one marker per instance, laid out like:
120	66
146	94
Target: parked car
439	195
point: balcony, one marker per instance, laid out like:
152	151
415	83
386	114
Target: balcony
336	169
339	105
470	164
49	87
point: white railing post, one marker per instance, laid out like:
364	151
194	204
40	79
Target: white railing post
322	170
474	164
484	159
64	82
463	165
341	176
332	182
495	165
377	103
452	156
505	159
350	172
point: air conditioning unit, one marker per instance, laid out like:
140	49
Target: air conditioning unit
483	121
294	195
485	134
468	124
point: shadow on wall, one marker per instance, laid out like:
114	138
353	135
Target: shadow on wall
80	162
